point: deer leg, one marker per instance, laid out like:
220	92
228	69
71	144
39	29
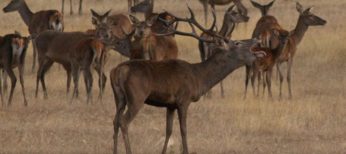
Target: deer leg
21	79
222	90
102	80
34	54
67	67
88	79
253	77
281	77
259	79
75	74
1	93
5	87
247	77
169	127
120	102
80	7
269	82
62	6
182	112
71	8
264	82
13	83
45	68
289	67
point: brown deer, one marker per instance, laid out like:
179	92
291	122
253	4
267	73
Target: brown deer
113	27
71	7
12	54
306	19
231	18
80	51
241	8
37	22
173	84
265	27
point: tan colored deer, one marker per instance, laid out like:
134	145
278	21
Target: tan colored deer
37	22
80	52
241	8
305	20
172	84
71	7
12	54
231	18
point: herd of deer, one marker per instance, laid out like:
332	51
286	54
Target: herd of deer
153	75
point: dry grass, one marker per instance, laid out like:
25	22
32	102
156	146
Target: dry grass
313	122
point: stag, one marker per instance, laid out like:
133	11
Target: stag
241	8
231	18
272	35
37	22
305	20
12	54
71	7
80	51
173	84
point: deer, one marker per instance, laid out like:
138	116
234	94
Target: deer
12	54
231	18
113	28
241	8
305	20
71	7
37	22
273	36
80	52
172	84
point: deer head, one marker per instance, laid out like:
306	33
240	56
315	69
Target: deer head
235	16
263	8
97	19
308	18
142	28
14	5
143	7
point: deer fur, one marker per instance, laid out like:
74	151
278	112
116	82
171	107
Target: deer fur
37	22
12	54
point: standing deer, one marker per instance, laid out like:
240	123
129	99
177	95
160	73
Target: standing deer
173	84
36	22
76	51
272	35
12	54
241	8
231	18
306	19
71	7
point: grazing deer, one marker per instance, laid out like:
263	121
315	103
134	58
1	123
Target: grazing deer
241	8
306	19
111	28
12	54
37	22
231	18
173	84
71	7
80	51
265	26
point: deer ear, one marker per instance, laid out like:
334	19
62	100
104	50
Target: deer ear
94	14
16	32
107	13
134	19
255	4
308	10
94	21
270	4
299	8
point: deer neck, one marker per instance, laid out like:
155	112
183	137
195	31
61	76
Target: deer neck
25	13
227	29
215	69
298	33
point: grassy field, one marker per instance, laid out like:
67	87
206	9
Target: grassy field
314	121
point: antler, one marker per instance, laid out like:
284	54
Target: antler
193	22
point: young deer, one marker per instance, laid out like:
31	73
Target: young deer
37	22
172	84
71	7
12	54
79	53
265	26
231	18
306	19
